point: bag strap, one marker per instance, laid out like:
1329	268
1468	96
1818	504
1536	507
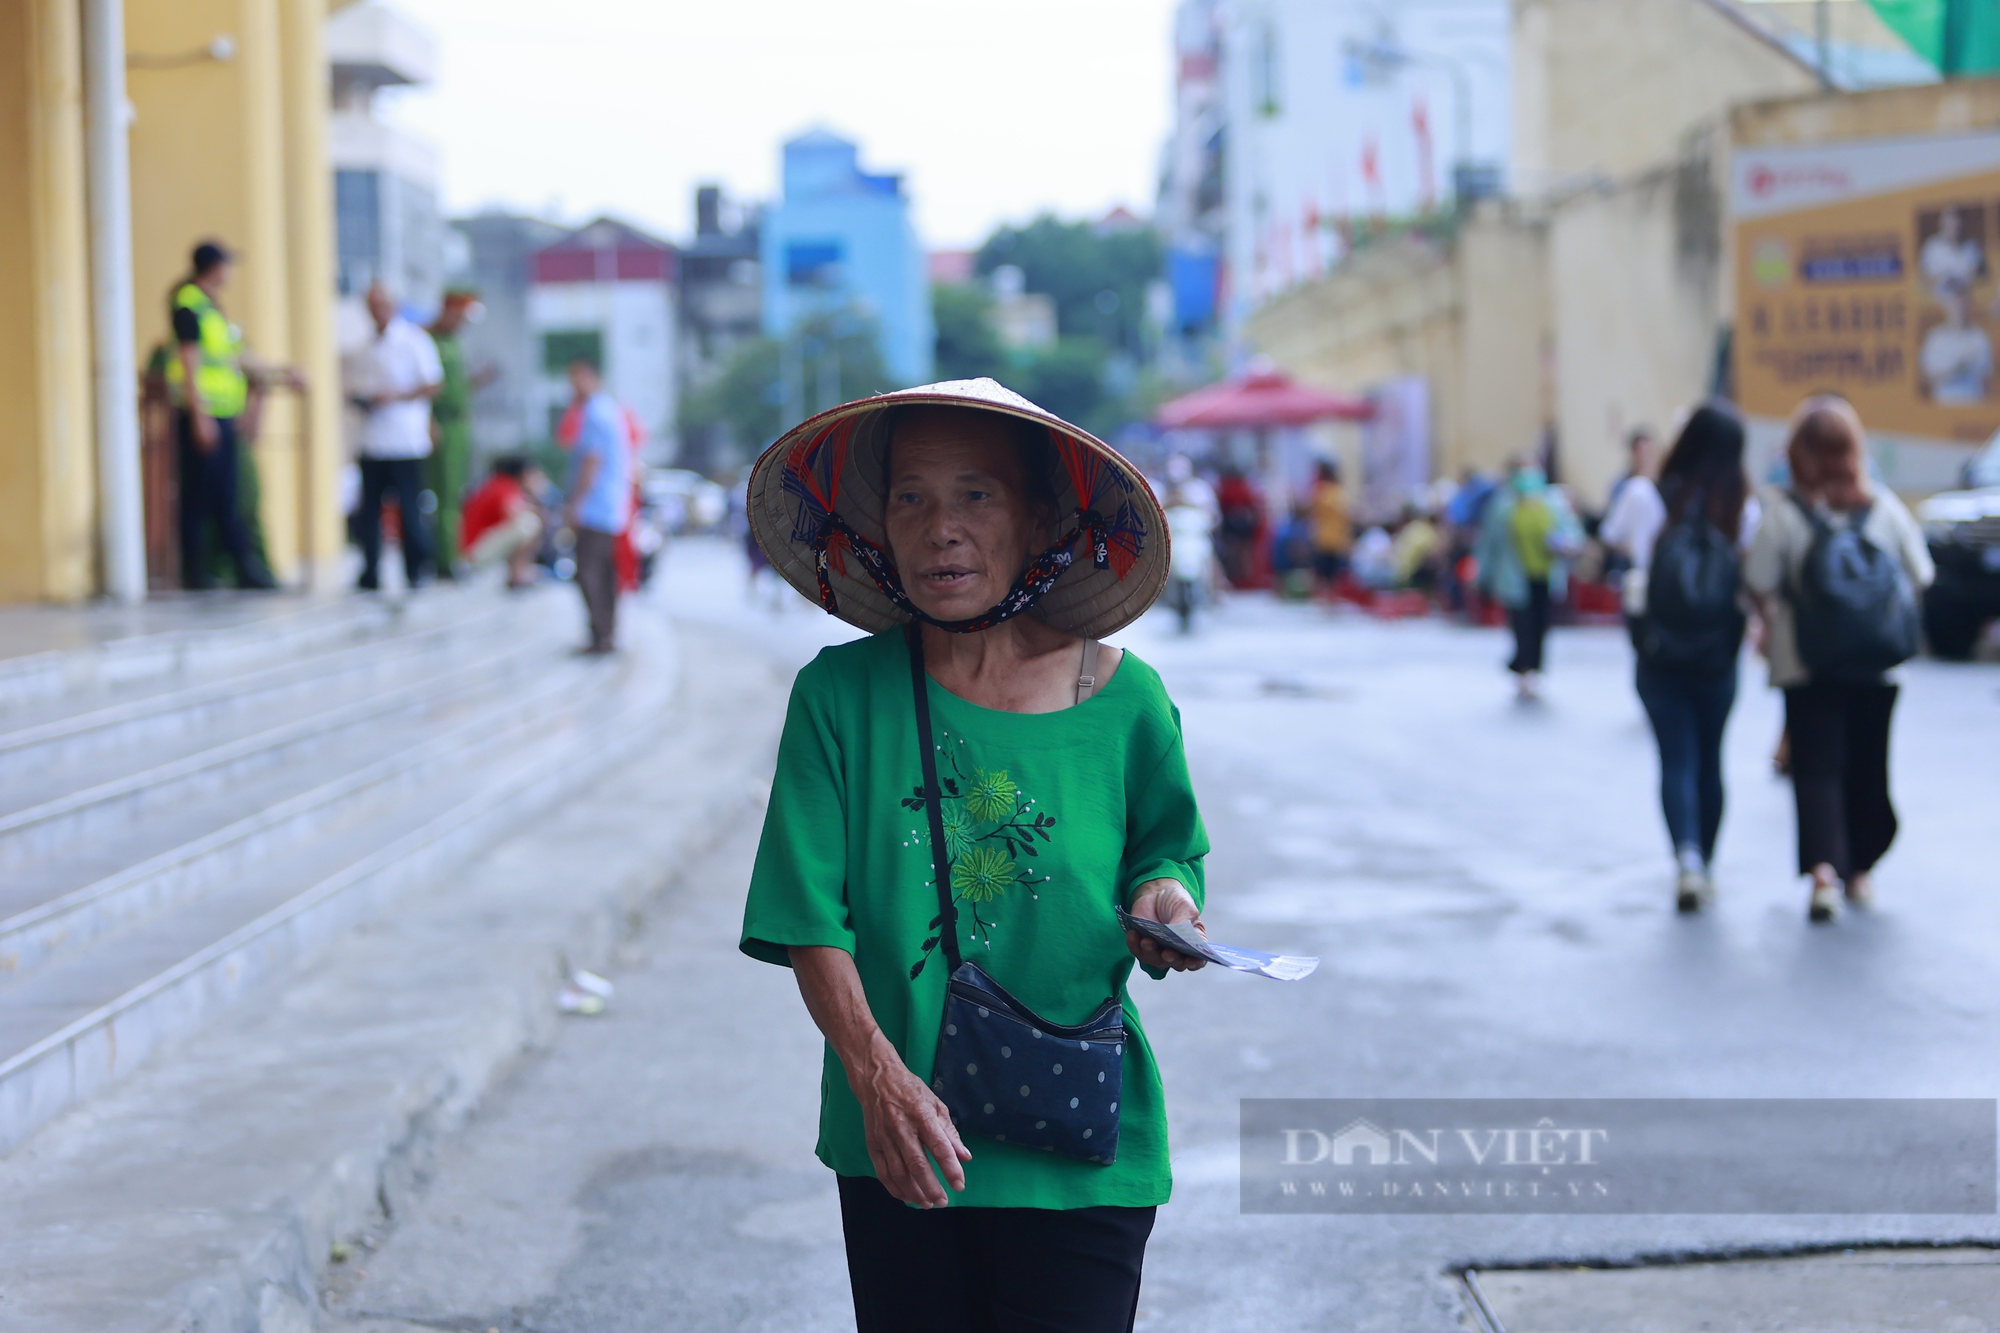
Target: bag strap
947	924
1086	680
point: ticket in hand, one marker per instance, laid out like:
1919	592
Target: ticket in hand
1184	938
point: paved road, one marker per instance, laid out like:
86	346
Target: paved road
1489	886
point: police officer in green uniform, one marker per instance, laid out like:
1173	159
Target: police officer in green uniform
451	422
209	391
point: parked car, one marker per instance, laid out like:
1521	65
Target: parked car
1963	530
685	501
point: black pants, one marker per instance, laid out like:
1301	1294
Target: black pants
1840	773
209	495
597	580
1530	622
1688	710
990	1270
404	476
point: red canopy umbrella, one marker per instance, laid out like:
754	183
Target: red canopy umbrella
1261	398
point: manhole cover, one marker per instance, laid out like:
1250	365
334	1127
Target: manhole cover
1855	1291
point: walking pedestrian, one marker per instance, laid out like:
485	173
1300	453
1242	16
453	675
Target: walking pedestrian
1684	602
1836	568
1464	515
917	769
1190	510
1245	561
209	387
1633	517
599	502
1525	536
399	373
1332	528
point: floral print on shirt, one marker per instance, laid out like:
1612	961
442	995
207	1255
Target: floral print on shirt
990	827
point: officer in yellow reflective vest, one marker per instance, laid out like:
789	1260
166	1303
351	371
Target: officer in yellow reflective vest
209	389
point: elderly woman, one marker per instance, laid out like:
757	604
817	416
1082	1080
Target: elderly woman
962	804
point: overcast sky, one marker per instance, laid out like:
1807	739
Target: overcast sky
995	111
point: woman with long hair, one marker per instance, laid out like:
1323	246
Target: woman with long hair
1688	627
1832	650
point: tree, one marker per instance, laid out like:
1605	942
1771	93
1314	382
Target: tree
1067	379
968	345
1098	277
835	357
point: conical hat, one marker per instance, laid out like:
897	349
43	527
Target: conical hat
829	474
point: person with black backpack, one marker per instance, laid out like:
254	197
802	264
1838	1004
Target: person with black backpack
1684	606
1837	568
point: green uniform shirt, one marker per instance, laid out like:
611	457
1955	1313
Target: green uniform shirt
1051	820
451	455
453	402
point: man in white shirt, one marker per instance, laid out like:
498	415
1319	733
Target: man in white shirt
397	375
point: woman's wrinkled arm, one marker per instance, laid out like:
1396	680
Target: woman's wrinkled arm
1164	846
903	1118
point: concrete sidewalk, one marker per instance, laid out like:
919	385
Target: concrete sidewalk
651	1171
208	1193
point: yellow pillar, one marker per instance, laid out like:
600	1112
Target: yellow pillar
309	200
208	160
47	477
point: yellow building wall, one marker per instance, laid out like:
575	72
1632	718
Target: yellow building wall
1384	313
1610	88
1933	108
1503	254
1621	115
47	483
1471	318
310	234
1637	305
208	160
234	149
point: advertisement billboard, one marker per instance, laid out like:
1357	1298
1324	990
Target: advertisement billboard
1871	268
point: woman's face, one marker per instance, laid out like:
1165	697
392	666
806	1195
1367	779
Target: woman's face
959	521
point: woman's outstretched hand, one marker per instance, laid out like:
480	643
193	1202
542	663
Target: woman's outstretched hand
1168	902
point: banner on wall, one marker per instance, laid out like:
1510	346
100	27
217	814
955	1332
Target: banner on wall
1867	268
1395	447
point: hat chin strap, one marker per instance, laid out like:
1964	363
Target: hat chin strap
1035	580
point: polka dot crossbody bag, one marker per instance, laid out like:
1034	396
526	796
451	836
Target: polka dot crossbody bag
1001	1070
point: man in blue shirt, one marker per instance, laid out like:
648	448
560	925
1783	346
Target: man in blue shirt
600	501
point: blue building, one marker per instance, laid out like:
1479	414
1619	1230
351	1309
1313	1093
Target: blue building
841	239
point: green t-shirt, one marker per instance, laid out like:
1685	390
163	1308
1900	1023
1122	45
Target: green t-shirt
1052	820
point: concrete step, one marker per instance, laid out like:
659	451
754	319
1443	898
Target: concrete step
219	743
52	824
129	871
88	725
204	1192
78	1023
54	910
203	637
